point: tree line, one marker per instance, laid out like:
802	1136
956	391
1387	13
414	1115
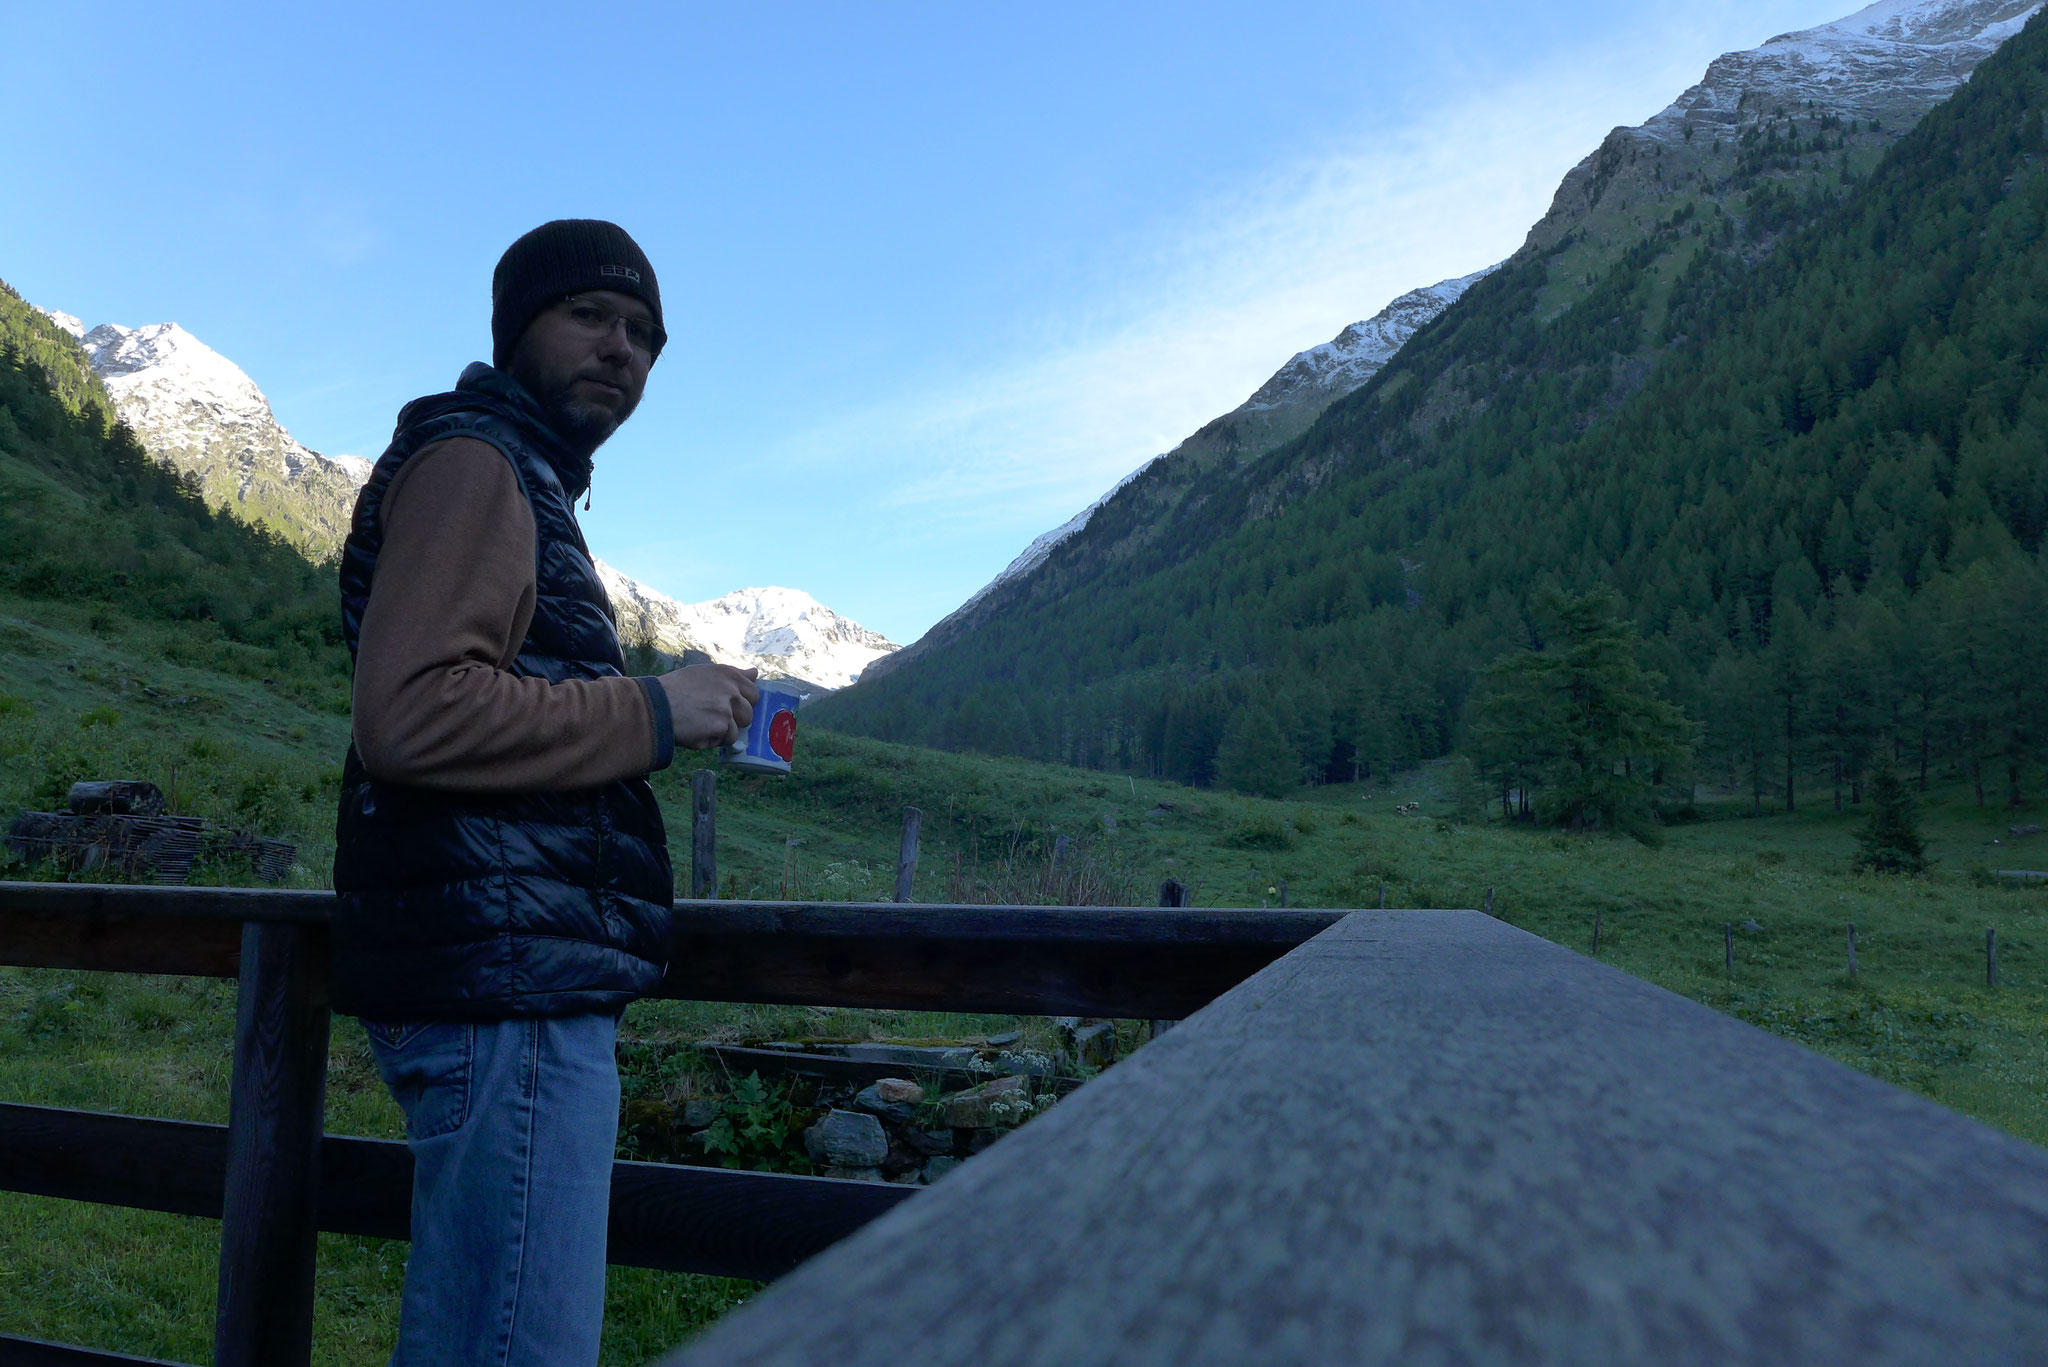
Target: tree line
1803	447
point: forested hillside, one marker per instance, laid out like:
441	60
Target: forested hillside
86	516
1800	435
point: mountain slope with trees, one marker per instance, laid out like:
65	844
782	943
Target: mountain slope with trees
87	517
1800	437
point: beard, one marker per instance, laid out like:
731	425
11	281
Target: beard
583	425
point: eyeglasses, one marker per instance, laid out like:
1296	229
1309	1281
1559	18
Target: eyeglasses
597	319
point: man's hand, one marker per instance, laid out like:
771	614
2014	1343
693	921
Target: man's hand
710	704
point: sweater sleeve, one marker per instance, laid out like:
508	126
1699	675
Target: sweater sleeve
449	606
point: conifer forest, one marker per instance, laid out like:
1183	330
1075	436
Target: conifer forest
1792	437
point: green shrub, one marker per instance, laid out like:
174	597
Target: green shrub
1305	820
1258	833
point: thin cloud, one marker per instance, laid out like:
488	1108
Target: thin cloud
1204	313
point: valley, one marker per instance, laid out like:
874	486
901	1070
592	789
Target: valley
1727	490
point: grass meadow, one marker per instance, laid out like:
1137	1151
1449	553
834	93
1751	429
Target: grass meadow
255	739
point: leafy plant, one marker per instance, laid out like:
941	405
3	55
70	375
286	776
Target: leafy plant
758	1128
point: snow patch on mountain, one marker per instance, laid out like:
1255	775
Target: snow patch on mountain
178	392
1362	350
1893	60
1320	375
69	322
197	411
780	631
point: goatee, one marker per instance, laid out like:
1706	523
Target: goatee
583	425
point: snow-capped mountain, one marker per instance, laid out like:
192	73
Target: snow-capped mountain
1892	60
193	408
1860	82
782	632
1281	408
1324	374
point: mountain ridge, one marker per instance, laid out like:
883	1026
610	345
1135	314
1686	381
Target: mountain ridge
1811	317
1282	407
196	411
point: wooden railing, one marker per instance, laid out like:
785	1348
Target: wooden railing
274	1179
1377	1137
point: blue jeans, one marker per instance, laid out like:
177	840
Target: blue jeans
512	1126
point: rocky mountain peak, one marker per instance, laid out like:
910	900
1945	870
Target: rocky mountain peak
783	632
69	322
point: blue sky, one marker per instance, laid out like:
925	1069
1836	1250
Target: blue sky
935	275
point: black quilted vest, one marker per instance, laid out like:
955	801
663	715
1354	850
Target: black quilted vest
463	906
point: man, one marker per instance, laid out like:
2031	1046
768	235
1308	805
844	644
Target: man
503	873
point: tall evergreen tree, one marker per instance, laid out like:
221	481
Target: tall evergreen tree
1582	707
1890	839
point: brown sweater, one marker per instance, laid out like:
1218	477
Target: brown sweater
449	606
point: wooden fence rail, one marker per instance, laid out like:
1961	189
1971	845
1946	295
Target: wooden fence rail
1432	1138
274	1180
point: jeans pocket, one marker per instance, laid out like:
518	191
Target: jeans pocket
427	1066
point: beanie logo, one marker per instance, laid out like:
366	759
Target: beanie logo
626	271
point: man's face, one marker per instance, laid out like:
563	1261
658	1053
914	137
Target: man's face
577	359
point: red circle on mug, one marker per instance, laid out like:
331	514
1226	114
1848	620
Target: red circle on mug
782	734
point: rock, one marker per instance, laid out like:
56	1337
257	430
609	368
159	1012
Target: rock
870	1100
902	1158
1109	823
979	1140
1751	927
699	1111
1000	1101
855	1174
2029	829
939	1167
897	1089
847	1139
931	1142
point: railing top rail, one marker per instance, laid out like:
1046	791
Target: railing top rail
1438	1137
851	919
133	899
1142	962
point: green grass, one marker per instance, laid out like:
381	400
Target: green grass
261	747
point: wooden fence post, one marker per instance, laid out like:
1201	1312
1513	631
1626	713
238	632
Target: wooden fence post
1852	949
1489	901
906	856
1991	956
704	833
1728	941
1596	932
276	1111
1172	893
1283	894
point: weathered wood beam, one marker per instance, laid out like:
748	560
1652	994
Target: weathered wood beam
1125	962
23	1352
1431	1137
680	1219
270	1208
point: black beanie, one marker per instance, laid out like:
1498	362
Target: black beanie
561	258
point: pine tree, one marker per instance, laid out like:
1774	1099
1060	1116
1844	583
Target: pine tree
1255	756
1589	717
1890	839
